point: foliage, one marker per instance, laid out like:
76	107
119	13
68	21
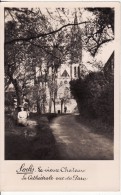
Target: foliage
100	30
95	96
35	36
105	17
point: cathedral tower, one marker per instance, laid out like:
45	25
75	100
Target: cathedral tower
76	48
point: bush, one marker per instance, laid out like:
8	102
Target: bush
95	96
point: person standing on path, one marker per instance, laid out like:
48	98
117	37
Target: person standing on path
65	109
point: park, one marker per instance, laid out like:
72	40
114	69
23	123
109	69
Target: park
59	83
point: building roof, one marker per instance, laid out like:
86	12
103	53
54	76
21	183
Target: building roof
65	74
10	88
109	66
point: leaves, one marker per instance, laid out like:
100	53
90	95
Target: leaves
100	30
95	94
50	37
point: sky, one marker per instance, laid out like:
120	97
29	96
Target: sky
103	55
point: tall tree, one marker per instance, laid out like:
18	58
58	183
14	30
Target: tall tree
33	34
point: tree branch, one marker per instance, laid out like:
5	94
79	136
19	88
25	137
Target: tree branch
19	10
43	48
95	48
41	34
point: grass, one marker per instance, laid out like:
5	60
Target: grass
37	144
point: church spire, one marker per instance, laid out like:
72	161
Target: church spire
75	27
75	19
76	42
76	45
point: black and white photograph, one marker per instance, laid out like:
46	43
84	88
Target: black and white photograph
59	83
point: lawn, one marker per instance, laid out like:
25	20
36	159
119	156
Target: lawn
34	142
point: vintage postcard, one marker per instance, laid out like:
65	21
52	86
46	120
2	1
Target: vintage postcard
59	71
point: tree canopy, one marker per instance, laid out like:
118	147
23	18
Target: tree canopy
34	36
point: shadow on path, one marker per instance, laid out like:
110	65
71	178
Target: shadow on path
63	139
34	142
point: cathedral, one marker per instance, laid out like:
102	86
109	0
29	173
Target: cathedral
63	97
60	100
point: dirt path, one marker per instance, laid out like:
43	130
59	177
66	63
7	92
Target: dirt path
76	142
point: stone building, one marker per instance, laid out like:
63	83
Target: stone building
58	95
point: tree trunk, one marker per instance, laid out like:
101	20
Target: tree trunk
38	107
18	92
43	107
54	106
61	106
17	88
71	71
50	103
